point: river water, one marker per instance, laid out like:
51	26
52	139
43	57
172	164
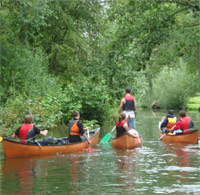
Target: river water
156	168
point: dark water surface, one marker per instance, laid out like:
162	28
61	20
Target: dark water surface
156	168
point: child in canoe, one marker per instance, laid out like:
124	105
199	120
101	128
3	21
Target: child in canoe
122	127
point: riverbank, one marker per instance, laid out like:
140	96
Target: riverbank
194	103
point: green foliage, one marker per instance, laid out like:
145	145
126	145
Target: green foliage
60	56
53	110
173	86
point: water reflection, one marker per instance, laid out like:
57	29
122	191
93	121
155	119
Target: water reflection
20	170
157	168
126	161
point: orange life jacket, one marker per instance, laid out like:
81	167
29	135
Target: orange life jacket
74	129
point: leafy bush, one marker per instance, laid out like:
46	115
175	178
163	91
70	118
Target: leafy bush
173	86
53	110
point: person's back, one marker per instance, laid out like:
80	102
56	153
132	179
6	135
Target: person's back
128	106
129	103
120	127
28	131
76	129
184	122
169	121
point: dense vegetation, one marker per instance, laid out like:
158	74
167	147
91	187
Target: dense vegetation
57	56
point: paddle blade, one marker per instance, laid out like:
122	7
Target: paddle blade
106	138
90	149
1	138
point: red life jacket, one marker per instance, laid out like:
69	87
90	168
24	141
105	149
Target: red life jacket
119	127
25	128
130	104
185	122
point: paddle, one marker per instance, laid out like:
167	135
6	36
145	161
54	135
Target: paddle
107	137
1	138
162	137
90	149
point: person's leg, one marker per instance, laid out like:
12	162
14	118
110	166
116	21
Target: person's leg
131	122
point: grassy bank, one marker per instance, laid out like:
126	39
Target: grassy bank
194	103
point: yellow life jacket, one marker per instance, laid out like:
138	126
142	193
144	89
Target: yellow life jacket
171	123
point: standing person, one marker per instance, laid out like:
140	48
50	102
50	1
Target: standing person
122	127
169	121
128	106
28	130
185	124
76	129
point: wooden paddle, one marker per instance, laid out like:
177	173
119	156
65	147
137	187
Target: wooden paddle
161	137
90	149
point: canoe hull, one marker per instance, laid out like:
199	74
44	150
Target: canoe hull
126	142
14	149
190	138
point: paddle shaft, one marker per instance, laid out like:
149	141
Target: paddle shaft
161	137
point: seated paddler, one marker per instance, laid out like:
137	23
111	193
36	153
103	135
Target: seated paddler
28	131
76	129
122	127
184	125
168	122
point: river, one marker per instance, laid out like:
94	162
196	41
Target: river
156	168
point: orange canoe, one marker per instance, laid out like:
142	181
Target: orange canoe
15	149
126	142
189	138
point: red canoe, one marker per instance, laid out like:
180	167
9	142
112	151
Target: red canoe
15	149
126	142
189	138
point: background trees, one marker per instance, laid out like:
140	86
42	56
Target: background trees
57	56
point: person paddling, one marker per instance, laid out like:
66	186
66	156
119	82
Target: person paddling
185	124
76	129
122	127
168	122
128	106
28	130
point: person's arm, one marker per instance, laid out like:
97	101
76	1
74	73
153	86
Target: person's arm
81	129
176	126
38	131
44	132
127	130
123	101
164	123
86	137
13	135
16	133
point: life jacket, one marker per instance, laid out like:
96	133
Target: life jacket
23	132
73	128
129	105
171	122
186	123
119	127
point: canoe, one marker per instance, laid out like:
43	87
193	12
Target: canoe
15	149
126	142
189	138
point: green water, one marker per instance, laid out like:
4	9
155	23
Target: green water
156	168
